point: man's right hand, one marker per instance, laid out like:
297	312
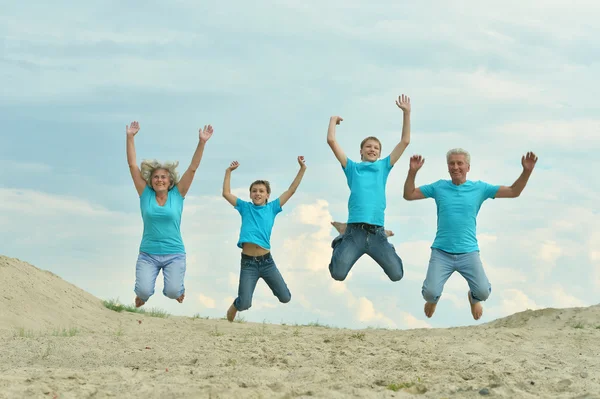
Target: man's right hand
416	161
336	119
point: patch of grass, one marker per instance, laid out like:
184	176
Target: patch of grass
216	332
317	324
578	325
231	362
119	332
156	312
239	319
198	316
296	332
598	327
23	333
114	304
397	387
71	332
359	335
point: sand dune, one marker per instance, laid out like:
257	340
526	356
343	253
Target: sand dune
549	353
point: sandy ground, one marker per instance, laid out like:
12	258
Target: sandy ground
57	341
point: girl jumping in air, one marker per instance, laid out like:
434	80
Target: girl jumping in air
258	217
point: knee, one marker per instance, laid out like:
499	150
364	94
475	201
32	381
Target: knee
172	292
481	294
336	274
144	293
430	295
285	298
396	275
242	304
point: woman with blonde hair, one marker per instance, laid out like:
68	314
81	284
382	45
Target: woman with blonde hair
161	202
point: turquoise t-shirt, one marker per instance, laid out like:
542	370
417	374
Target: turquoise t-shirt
257	222
367	181
457	209
162	234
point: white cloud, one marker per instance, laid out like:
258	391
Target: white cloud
206	301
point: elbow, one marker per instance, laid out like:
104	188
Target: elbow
405	142
407	197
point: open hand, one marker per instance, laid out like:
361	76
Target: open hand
234	165
132	129
403	102
205	133
528	161
416	161
336	119
301	162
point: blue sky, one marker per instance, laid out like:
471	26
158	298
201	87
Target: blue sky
496	79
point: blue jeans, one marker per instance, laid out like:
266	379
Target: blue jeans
253	268
360	239
147	269
441	266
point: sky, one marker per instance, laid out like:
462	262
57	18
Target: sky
496	79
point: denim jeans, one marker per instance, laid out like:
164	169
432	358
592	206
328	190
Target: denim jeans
360	239
443	264
147	269
253	268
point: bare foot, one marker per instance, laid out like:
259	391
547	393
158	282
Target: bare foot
389	233
231	312
181	298
339	226
476	308
138	302
429	308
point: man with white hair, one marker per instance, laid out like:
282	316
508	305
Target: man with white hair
455	246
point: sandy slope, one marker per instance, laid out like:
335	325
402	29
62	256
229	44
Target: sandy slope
530	354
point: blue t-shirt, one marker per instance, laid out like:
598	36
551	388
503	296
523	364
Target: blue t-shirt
457	209
367	181
257	222
162	234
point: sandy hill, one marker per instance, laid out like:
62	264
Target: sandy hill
548	353
37	299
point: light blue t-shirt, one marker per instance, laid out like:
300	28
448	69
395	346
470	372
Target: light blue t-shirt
457	209
367	181
162	235
257	222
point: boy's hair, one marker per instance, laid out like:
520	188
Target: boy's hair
264	183
362	143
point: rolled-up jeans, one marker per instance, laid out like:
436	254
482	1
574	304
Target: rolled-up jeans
360	239
441	266
146	271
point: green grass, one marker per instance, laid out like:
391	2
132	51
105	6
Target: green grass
71	332
23	333
239	319
114	304
397	387
216	332
199	316
359	335
578	325
317	324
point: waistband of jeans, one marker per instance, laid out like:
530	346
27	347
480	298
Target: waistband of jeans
266	256
365	226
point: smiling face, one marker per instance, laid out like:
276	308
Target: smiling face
161	180
458	168
259	193
370	150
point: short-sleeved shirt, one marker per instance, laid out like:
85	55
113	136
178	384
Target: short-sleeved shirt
257	222
162	235
457	209
367	181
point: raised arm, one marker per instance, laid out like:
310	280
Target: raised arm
528	161
136	174
403	102
187	178
410	192
335	147
232	199
283	198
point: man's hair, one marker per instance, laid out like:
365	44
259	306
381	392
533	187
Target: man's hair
362	143
459	151
148	167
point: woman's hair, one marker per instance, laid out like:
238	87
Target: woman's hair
459	151
149	166
264	183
